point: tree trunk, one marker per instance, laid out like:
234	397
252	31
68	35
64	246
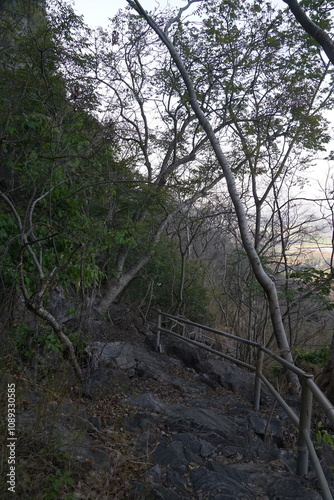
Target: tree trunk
312	29
261	276
117	285
50	319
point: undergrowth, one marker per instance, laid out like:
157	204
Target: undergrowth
47	467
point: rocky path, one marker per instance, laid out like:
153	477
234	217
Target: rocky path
193	425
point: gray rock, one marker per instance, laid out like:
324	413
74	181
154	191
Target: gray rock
204	420
170	454
81	447
190	355
103	382
289	488
229	376
217	448
147	401
154	474
197	446
243	472
67	426
219	486
154	492
141	422
266	426
177	481
114	354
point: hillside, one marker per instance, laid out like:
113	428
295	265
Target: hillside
177	425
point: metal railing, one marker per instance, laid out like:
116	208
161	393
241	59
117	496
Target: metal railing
309	391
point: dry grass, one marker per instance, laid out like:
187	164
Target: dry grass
44	470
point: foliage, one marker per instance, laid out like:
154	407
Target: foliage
318	278
323	437
85	199
76	200
196	294
318	357
158	285
22	340
59	484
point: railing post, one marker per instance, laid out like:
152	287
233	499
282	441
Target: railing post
257	388
304	425
157	338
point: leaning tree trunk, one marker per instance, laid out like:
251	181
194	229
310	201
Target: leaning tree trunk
123	277
320	35
117	285
51	320
260	274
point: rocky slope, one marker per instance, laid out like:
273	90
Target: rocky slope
193	420
176	425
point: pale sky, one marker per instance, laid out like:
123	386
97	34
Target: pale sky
97	12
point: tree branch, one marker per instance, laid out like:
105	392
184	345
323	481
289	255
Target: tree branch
312	29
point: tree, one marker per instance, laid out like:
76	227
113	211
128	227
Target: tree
46	148
202	116
160	140
316	28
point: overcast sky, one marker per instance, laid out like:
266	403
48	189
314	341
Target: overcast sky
97	12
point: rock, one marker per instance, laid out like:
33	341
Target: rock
219	486
207	445
147	401
184	418
153	492
120	315
229	376
103	382
154	474
289	488
114	354
61	305
266	426
67	427
243	472
141	422
81	447
178	481
170	453
190	355
196	445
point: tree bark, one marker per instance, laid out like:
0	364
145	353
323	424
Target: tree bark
312	29
117	285
261	276
50	319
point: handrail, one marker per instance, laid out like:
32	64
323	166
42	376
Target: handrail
309	389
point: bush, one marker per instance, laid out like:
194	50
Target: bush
318	357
